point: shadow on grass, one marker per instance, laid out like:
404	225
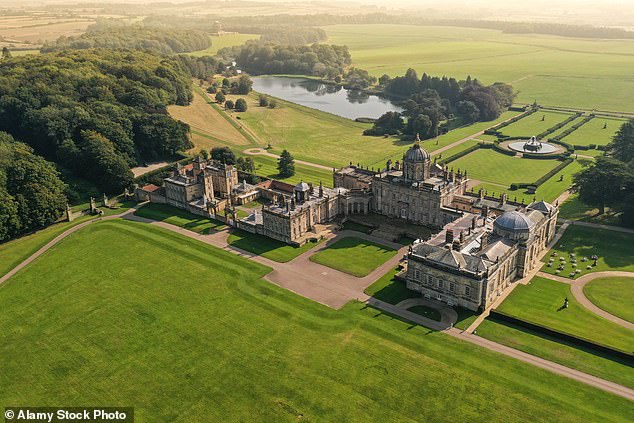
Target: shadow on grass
588	350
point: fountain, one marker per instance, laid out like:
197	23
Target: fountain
533	145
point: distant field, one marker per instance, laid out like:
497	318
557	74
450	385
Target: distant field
209	128
593	132
533	124
267	166
229	40
581	73
36	31
488	165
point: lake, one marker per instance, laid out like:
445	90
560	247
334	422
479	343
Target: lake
333	99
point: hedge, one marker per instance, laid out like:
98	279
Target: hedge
503	151
553	171
510	121
559	125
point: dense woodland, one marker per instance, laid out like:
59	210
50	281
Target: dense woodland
609	181
32	195
431	100
96	112
165	41
268	58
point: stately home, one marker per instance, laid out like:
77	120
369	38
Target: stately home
415	190
474	259
483	243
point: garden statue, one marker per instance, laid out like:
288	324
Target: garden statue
566	302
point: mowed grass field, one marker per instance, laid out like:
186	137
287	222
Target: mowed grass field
548	191
541	302
534	124
355	256
184	332
267	166
178	217
267	247
614	295
209	128
593	132
579	73
614	249
227	40
586	360
488	165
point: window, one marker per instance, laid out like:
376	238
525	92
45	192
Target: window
429	280
452	287
467	291
417	274
440	284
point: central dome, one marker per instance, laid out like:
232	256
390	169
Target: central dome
416	153
514	221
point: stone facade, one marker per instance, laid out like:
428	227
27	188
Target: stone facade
476	258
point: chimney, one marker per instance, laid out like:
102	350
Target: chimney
455	245
481	194
474	221
311	190
321	189
461	237
503	198
485	211
449	236
484	241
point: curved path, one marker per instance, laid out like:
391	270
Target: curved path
263	152
448	315
576	287
297	277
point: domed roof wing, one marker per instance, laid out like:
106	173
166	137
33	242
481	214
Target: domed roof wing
541	206
302	186
514	221
416	153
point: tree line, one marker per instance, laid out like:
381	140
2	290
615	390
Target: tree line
609	181
164	41
96	112
318	59
432	99
32	195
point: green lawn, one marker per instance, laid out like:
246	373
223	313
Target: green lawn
533	124
593	132
16	251
267	166
614	249
549	190
331	140
228	40
267	247
541	302
574	209
451	137
570	355
204	337
572	72
355	256
390	290
614	295
488	165
178	217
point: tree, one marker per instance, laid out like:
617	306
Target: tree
224	155
244	85
264	100
384	80
389	123
220	97
286	165
241	105
6	53
622	146
246	164
603	183
468	111
357	78
229	104
272	103
420	124
101	162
